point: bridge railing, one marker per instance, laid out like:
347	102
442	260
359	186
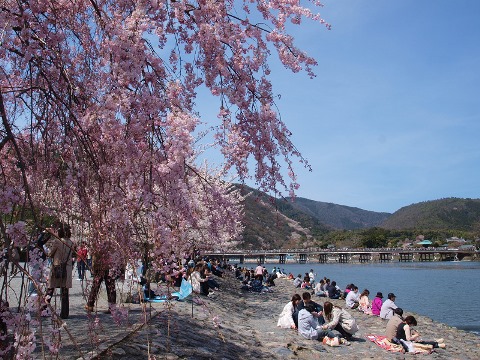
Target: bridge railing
345	250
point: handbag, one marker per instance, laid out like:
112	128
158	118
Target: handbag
60	271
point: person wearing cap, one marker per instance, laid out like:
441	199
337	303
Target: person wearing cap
377	304
386	312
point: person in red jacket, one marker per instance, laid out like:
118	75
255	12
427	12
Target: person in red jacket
81	261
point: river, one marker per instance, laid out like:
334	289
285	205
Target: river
447	292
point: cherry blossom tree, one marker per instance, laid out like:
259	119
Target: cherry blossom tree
98	100
100	124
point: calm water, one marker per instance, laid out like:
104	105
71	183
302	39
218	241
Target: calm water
448	292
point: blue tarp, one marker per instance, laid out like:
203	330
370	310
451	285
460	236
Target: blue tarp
181	294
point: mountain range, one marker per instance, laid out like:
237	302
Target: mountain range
273	223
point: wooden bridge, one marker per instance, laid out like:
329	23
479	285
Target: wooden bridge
325	256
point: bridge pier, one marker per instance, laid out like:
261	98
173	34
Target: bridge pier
323	258
364	258
405	257
385	257
343	258
302	258
241	259
282	258
427	256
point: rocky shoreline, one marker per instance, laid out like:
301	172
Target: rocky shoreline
242	325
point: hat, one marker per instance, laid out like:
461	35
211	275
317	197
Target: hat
391	295
379	294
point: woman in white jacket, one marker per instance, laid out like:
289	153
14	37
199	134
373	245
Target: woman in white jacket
285	320
339	319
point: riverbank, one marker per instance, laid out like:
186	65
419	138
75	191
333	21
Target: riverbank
242	325
232	325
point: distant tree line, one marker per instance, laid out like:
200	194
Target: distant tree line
378	237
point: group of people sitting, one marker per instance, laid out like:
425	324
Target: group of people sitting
314	321
258	280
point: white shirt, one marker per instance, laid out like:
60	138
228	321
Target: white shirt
386	312
352	298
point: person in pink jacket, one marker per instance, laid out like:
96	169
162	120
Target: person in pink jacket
377	304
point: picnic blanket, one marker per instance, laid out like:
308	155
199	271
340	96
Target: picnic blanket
384	343
185	290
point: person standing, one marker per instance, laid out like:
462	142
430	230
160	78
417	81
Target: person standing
81	261
311	275
59	249
14	261
102	273
259	272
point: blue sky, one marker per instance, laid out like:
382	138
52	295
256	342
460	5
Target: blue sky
393	116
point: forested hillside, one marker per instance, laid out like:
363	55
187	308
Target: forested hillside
280	223
340	216
449	213
274	223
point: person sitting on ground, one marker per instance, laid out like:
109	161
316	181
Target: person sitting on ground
364	302
290	276
281	273
326	283
298	281
353	298
246	276
307	299
348	288
392	325
270	279
406	332
309	328
212	283
306	283
199	282
216	269
238	274
377	304
386	312
319	289
333	291
285	320
339	319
